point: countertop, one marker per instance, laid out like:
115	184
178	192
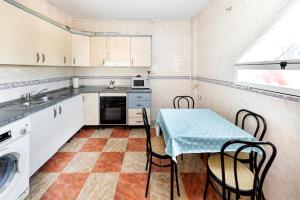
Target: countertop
9	116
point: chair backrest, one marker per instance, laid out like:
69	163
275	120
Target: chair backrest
261	125
147	129
190	102
263	162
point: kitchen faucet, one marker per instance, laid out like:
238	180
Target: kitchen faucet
28	95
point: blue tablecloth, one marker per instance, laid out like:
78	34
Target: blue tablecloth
197	131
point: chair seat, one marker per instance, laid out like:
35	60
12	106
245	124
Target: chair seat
245	176
241	155
158	145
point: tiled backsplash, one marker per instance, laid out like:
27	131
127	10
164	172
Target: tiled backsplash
18	80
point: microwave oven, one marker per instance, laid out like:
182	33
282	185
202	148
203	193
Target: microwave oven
140	83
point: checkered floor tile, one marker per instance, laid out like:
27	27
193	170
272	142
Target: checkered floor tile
109	164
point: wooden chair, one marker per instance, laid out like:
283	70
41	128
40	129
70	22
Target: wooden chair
156	149
236	177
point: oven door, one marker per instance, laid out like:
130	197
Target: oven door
113	110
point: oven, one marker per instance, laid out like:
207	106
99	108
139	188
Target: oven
113	109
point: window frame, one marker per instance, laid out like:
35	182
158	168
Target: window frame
277	89
292	64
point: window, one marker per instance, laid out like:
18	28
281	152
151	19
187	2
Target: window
273	62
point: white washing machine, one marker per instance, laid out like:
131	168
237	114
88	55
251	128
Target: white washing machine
14	160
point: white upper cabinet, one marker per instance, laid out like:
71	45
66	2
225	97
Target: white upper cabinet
118	51
140	51
54	45
98	51
19	33
28	40
81	46
121	51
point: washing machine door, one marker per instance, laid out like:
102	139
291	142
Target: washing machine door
8	169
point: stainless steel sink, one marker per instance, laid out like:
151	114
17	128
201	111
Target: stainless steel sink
24	106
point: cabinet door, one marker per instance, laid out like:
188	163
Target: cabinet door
91	109
141	51
19	30
81	46
54	45
98	51
118	51
70	118
66	46
44	129
48	42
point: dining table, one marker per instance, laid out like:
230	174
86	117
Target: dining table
187	131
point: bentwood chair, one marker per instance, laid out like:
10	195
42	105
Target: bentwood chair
236	177
156	149
260	125
177	101
189	101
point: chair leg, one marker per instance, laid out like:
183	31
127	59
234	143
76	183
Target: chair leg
176	176
147	161
206	186
172	181
149	175
228	194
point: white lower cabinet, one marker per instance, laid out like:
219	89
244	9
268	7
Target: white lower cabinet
71	118
52	127
91	109
43	137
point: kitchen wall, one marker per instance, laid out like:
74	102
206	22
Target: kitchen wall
171	57
220	37
18	80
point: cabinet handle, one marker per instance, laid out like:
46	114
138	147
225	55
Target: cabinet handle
44	57
132	62
65	59
74	61
103	61
59	109
139	113
55	112
139	105
138	97
37	57
139	121
83	98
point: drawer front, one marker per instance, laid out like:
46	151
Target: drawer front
139	96
139	104
137	113
136	121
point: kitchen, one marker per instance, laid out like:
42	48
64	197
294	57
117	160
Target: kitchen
74	79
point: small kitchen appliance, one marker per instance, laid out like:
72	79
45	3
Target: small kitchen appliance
139	82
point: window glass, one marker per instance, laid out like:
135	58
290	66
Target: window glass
281	42
279	78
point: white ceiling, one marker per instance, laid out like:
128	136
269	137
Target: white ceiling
131	9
